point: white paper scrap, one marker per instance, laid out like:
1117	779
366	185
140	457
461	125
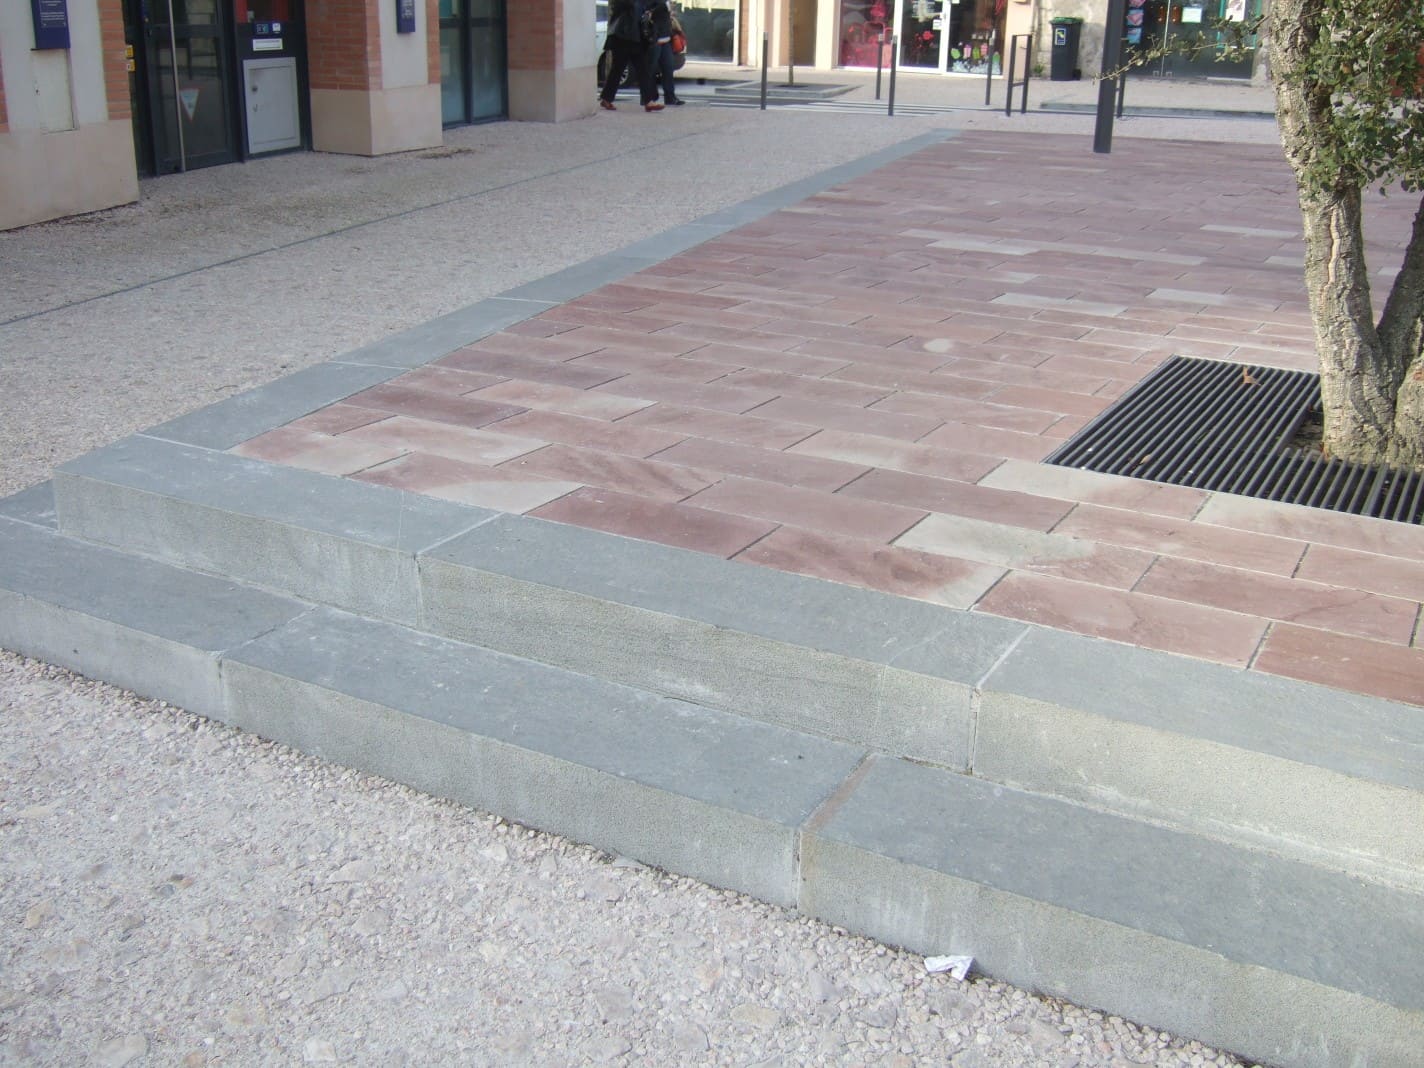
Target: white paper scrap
957	967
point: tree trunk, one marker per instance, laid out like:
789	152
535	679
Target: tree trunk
1359	375
1407	448
1362	366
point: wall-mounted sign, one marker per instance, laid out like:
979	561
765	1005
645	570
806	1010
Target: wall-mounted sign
267	44
51	19
405	16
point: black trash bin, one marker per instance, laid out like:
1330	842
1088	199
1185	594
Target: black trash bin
1063	65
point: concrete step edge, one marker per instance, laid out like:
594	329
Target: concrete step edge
924	857
1229	753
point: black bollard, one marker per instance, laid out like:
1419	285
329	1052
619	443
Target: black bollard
765	52
879	61
1107	87
894	62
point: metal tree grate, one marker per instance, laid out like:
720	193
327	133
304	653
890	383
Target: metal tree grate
1222	426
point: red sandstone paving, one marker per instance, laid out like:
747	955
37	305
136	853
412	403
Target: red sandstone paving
316	452
1090	487
559	428
400	435
680	525
1346	663
859	388
528	368
337	419
442	408
815	510
1151	622
871	565
766	465
1028	550
1364	571
487	487
1366	615
870	451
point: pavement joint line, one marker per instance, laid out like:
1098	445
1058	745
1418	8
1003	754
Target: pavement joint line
831	805
976	696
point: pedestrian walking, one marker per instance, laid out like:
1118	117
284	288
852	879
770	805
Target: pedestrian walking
663	58
630	41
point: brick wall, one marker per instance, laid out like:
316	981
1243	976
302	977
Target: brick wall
116	69
344	44
536	33
432	40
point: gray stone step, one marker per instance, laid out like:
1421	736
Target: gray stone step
1279	957
1285	962
154	629
1045	892
1330	777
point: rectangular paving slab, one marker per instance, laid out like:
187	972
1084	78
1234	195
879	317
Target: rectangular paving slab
693	789
141	624
1207	746
877	670
322	538
1281	960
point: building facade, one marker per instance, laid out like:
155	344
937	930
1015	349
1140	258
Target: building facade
971	36
95	94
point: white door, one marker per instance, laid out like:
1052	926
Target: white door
273	121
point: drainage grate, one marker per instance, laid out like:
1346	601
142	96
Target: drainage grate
1222	426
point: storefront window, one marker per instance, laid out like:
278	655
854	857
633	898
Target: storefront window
711	28
863	25
960	36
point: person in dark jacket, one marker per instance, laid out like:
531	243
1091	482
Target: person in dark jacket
662	57
630	38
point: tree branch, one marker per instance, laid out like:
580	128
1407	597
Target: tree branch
1400	322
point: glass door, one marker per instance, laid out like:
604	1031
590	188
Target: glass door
190	81
922	34
472	61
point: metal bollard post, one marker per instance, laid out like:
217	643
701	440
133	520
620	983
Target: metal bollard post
1107	87
879	61
1121	92
894	63
765	52
1009	85
1028	70
989	62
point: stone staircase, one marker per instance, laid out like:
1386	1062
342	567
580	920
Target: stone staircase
1225	854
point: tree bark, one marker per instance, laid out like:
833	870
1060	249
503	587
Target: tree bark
1371	377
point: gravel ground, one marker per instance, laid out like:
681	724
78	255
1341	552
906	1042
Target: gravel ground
178	892
175	892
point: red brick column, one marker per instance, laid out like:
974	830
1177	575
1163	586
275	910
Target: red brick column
536	34
343	44
541	87
373	89
116	65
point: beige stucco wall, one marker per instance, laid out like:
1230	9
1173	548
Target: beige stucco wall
403	114
375	123
556	96
50	175
62	154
